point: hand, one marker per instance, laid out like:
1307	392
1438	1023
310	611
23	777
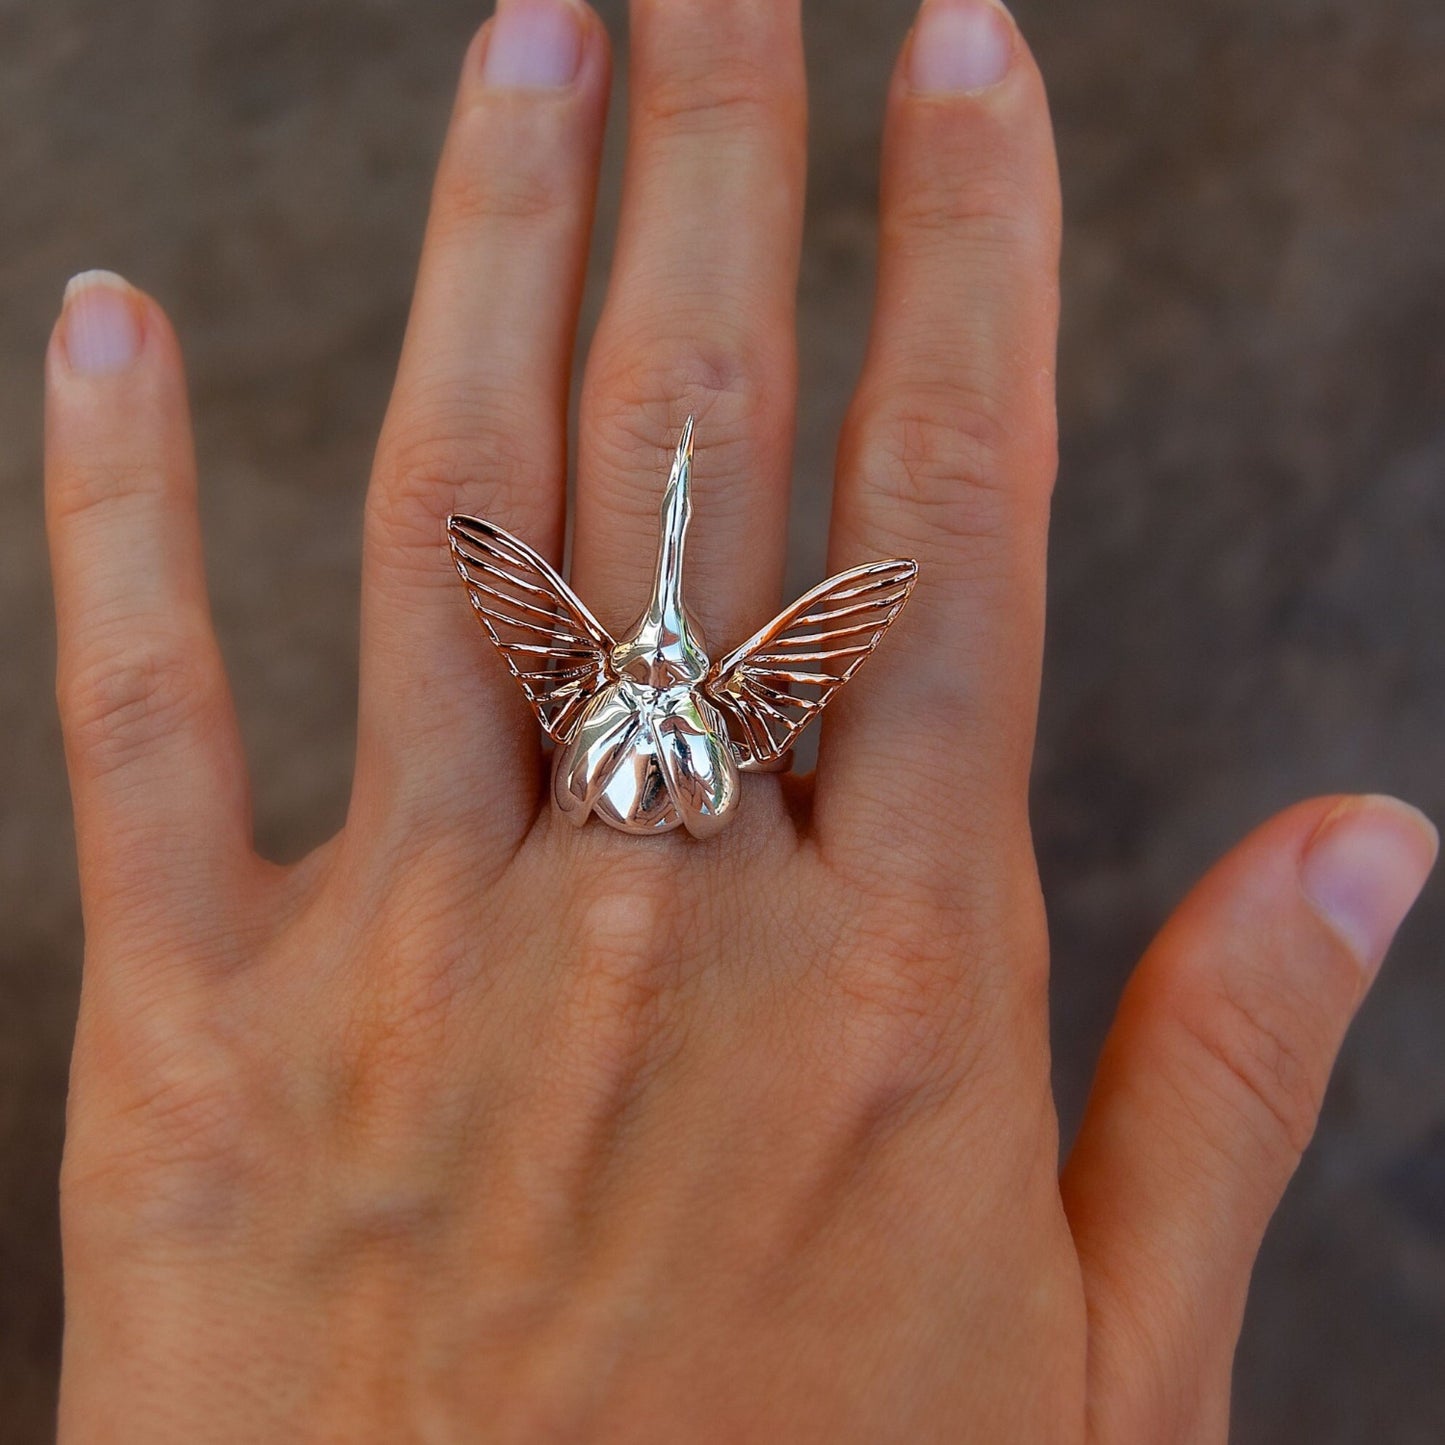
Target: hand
476	1126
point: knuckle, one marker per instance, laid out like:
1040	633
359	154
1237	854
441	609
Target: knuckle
1255	1041
85	485
944	453
455	455
988	214
735	83
386	1067
192	1118
969	177
644	375
498	179
468	201
618	1021
640	382
390	1059
394	1058
735	98
181	1144
638	387
122	702
928	992
901	990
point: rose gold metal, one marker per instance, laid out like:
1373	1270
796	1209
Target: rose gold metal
650	734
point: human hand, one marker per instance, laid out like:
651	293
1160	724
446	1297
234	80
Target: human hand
475	1126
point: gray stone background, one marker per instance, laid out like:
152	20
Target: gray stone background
1247	592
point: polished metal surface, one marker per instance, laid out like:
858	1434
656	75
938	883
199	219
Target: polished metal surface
651	735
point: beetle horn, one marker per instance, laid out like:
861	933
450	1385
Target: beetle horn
676	513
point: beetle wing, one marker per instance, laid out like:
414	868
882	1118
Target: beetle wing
555	648
783	676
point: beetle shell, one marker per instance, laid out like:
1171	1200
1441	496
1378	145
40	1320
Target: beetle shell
648	760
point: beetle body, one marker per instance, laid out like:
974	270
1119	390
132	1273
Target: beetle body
650	735
648	759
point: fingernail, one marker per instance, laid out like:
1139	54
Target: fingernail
102	324
960	46
534	43
1364	868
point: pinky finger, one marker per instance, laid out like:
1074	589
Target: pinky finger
156	767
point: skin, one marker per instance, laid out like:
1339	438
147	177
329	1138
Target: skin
476	1126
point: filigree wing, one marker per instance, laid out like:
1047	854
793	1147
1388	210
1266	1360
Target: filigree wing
782	677
555	648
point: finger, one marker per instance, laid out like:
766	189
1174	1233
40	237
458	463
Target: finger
699	314
477	423
1208	1090
948	452
155	759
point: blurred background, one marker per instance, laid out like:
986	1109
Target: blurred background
1247	590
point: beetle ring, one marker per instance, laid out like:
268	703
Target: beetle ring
650	734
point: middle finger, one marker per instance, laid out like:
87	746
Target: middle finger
699	316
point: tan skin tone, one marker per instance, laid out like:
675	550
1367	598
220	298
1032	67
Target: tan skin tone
474	1126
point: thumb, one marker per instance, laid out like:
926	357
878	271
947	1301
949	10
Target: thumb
1208	1090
